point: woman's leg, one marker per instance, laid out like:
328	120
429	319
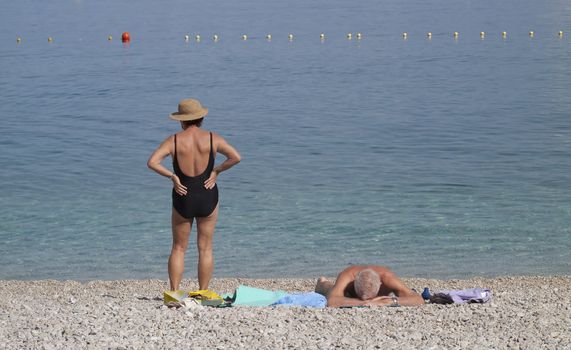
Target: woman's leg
180	232
205	228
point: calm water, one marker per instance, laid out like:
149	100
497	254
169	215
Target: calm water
439	158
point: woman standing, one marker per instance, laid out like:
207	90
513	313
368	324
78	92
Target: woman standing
195	194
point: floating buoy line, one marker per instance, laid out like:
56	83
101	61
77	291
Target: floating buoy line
126	36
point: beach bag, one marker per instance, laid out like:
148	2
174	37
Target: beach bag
179	298
207	297
204	297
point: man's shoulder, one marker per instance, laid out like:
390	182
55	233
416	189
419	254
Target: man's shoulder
381	270
354	269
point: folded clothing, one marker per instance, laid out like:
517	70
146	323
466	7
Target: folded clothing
310	299
470	295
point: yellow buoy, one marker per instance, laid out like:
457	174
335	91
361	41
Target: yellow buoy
109	38
405	35
186	37
244	37
482	35
215	37
359	36
322	36
50	39
290	37
456	34
197	37
269	37
429	35
18	40
560	33
504	34
531	34
349	36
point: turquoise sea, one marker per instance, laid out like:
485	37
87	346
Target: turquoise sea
440	157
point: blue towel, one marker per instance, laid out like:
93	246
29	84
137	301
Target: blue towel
310	299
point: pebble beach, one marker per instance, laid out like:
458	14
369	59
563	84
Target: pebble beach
525	313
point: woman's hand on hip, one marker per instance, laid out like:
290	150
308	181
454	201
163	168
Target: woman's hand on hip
178	186
211	181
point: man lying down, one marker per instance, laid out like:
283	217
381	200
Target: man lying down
367	285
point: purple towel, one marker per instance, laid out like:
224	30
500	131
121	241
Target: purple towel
471	295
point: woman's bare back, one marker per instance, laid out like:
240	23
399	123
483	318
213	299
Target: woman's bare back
193	151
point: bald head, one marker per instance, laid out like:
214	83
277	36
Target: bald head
367	284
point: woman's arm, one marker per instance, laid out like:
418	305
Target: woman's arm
154	163
232	158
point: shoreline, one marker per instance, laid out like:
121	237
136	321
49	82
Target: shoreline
297	278
525	312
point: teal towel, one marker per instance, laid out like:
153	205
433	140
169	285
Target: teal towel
250	296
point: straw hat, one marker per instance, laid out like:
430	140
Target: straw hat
189	109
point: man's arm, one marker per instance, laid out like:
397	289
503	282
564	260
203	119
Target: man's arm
336	297
405	296
412	300
395	301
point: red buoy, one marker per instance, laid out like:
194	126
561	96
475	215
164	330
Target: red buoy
125	37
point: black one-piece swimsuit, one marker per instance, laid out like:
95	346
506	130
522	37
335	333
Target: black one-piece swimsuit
198	202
